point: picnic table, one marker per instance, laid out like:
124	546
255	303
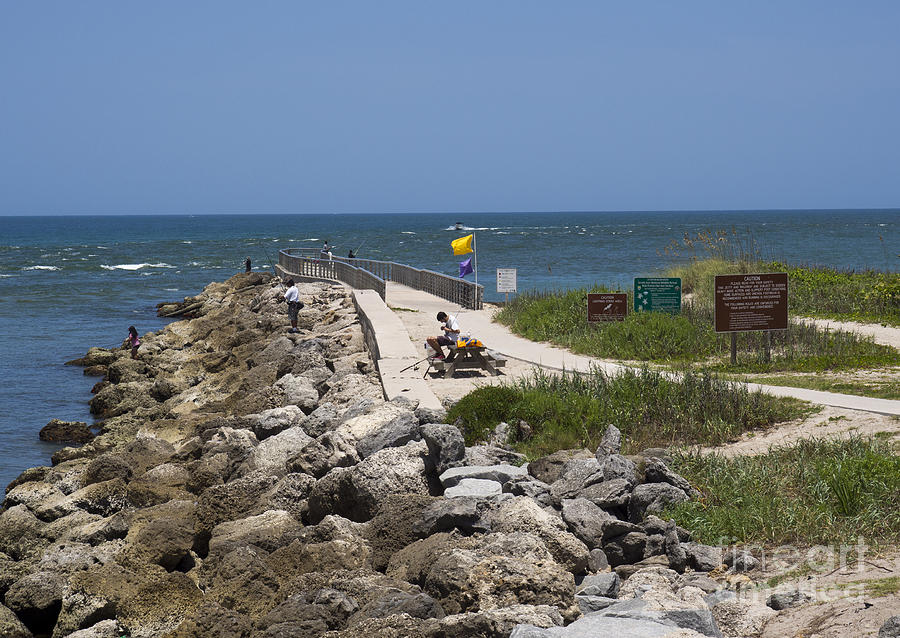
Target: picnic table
469	357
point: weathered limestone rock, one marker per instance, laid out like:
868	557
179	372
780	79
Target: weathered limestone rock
68	431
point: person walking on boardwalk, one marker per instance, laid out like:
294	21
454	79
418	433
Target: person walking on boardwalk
292	297
134	341
450	326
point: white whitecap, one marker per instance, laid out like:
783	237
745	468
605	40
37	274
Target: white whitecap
41	268
187	242
4	276
135	266
407	232
171	289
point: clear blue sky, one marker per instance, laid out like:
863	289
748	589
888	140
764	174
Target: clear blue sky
193	107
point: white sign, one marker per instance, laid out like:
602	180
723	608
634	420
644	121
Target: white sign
506	280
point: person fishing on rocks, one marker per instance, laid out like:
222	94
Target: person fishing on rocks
134	341
292	297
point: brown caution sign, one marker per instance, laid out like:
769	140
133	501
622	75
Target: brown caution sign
607	306
751	302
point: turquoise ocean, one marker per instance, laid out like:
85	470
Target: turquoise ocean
71	282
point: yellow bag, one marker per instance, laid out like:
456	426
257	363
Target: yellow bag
471	342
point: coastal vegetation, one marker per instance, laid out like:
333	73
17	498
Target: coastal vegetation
815	491
651	408
687	338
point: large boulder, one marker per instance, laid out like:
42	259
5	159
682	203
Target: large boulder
320	455
66	431
36	599
271	456
270	422
269	531
521	514
299	391
549	468
591	524
356	492
488	572
652	498
446	445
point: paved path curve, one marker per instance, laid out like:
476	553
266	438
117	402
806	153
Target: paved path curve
497	337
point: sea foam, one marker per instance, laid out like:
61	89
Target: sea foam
41	268
135	266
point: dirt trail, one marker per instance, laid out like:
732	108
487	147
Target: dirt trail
886	335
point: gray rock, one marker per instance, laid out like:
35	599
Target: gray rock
548	468
592	604
397	432
499	436
401	602
271	422
702	558
650	498
890	628
740	561
324	418
474	487
616	466
532	488
675	553
431	415
573	477
611	443
102	629
592	525
498	473
656	545
609	494
718	596
299	391
523	515
271	456
318	456
656	471
596	625
698	580
787	599
446	446
446	514
356	492
604	584
268	531
597	561
699	620
625	549
490	455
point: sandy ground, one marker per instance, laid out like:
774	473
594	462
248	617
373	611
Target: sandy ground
886	335
421	325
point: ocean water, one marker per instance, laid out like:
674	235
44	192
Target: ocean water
68	283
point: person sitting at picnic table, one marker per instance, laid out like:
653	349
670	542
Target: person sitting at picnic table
450	326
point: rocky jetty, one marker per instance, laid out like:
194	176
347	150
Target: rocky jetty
247	482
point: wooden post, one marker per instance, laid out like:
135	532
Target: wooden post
733	348
768	346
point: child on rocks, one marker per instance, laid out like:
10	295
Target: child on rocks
134	340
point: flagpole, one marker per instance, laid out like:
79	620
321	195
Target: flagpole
475	255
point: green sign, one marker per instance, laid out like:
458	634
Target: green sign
657	294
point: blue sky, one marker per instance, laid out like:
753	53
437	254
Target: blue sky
281	107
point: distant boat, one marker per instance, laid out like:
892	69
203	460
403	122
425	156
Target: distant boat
459	226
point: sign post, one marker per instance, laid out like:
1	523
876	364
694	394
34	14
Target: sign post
745	303
607	306
657	294
506	281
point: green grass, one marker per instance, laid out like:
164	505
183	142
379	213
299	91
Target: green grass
869	296
651	408
816	491
560	318
875	388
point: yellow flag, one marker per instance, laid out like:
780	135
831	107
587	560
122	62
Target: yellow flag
462	245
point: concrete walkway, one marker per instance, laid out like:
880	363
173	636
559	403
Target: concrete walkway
497	337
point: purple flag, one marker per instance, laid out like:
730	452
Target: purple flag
465	267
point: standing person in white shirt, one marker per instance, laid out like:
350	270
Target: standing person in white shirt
292	297
451	334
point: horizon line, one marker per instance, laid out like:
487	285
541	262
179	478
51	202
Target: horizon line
505	212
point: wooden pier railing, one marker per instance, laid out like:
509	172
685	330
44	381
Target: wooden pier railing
372	274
